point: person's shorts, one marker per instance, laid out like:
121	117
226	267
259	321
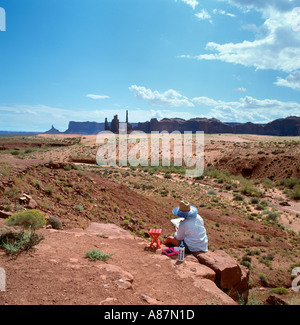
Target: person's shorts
187	250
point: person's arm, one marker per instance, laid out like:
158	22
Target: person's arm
180	233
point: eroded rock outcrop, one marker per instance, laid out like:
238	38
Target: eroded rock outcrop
231	277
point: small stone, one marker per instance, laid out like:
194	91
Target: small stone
123	284
149	300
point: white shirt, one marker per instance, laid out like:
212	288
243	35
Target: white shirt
193	232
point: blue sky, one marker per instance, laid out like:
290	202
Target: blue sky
63	60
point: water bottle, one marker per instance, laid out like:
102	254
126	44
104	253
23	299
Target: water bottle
181	252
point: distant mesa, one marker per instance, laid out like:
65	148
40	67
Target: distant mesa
84	128
53	130
289	126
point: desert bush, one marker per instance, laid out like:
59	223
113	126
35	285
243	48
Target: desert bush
254	200
15	152
167	175
25	242
266	259
238	197
36	183
272	216
267	183
27	219
67	167
280	291
253	252
164	192
30	150
264	203
250	190
4	168
48	190
79	207
295	193
13	192
263	278
54	222
220	175
289	182
246	261
96	254
212	192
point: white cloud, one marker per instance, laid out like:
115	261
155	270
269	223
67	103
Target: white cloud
203	15
204	101
259	5
240	90
230	14
169	98
292	81
276	47
160	114
192	3
223	12
246	109
92	96
249	109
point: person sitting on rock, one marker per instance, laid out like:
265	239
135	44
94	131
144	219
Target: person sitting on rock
191	230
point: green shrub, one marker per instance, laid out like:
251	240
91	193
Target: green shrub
25	242
48	190
280	291
246	263
264	203
263	278
4	168
167	175
79	207
249	189
67	167
267	183
254	200
96	254
295	193
211	192
272	216
238	197
55	222
247	258
259	207
36	183
28	219
253	252
30	150
15	152
289	182
266	259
